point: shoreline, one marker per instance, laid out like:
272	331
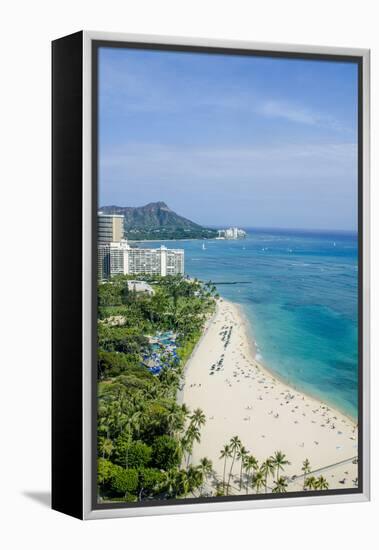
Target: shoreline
241	396
179	394
253	348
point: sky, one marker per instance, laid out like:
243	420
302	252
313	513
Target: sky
230	140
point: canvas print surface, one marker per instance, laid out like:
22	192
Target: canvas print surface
228	276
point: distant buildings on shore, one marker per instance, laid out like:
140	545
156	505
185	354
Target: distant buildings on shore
231	233
116	257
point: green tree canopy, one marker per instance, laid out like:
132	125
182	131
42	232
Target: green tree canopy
138	453
166	452
124	481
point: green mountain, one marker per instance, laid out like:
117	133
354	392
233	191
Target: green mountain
156	221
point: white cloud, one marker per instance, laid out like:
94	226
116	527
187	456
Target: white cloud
293	113
134	90
164	161
289	186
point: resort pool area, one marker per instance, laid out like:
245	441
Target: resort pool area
163	352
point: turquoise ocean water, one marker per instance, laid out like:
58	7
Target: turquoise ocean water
299	290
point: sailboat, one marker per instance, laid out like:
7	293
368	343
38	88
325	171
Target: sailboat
204	247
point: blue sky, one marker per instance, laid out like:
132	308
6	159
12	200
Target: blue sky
257	142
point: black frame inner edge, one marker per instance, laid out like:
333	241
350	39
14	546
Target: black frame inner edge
358	60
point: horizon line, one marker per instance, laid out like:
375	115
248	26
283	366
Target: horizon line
242	226
281	228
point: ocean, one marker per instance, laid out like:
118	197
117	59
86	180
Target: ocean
299	290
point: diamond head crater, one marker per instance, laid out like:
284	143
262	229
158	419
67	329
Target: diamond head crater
156	221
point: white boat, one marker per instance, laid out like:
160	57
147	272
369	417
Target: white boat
204	247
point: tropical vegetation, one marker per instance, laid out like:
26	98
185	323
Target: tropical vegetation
146	436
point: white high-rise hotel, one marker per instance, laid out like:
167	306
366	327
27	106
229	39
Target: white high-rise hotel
117	257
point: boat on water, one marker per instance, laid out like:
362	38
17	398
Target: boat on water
203	247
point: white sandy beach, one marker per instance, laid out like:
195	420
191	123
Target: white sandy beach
243	398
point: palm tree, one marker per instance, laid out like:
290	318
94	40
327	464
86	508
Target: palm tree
310	483
235	445
106	447
185	445
132	423
279	460
195	478
175	418
169	380
170	481
198	418
306	469
225	454
268	468
258	481
108	421
175	292
251	464
280	485
185	411
206	467
183	482
219	489
321	483
192	434
241	456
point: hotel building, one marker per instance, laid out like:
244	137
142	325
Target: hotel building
110	228
232	233
116	257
